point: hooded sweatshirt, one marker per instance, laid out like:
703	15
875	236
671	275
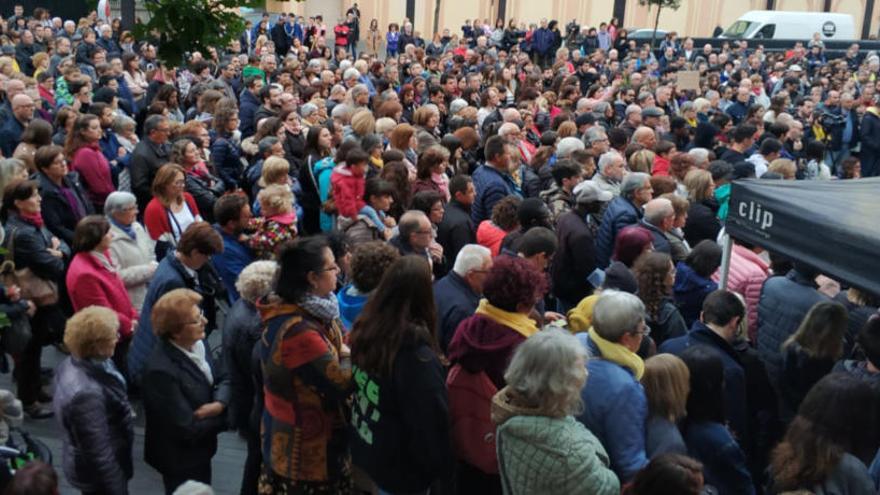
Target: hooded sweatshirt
690	289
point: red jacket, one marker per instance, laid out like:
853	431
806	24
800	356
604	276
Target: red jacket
660	167
348	191
490	235
341	32
156	217
93	167
91	283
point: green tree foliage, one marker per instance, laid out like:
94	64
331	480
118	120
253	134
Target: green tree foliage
182	26
660	4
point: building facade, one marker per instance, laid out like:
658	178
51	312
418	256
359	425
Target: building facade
695	17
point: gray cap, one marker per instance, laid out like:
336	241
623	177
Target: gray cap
7	50
652	112
589	192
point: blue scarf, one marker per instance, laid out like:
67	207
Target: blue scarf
376	217
128	229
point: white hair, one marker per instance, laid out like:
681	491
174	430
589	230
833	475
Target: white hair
507	128
567	146
194	488
349	73
657	210
700	155
256	280
606	159
471	257
548	370
118	201
633	182
617	313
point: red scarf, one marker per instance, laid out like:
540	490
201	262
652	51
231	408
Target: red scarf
35	219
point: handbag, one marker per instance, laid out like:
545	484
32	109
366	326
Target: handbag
40	291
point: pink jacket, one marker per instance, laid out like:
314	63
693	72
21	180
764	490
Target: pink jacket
91	283
94	169
747	274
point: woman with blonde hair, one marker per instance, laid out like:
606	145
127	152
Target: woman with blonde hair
535	418
277	224
667	384
363	123
784	167
171	210
641	161
204	187
91	404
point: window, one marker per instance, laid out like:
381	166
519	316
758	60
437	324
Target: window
738	29
766	32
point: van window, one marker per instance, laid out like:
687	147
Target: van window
738	29
766	32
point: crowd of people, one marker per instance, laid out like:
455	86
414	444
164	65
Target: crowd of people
482	263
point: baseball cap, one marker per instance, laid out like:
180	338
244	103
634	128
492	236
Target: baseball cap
589	192
796	68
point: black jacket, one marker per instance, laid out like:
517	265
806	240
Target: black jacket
57	212
575	258
98	429
146	159
702	222
241	330
456	230
205	191
175	442
295	152
30	246
402	437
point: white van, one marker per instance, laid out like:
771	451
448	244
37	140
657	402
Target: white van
773	24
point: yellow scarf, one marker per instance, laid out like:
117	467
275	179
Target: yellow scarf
874	110
618	354
519	322
377	162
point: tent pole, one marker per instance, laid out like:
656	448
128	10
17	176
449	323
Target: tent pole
726	248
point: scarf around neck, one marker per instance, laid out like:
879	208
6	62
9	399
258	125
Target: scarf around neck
618	354
128	229
325	308
519	322
35	219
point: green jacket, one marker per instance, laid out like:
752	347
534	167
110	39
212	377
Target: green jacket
543	454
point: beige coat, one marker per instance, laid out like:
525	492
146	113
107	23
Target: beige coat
373	41
136	260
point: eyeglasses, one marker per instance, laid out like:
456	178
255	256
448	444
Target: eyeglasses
201	319
644	330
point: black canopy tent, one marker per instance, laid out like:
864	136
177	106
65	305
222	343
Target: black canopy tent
832	225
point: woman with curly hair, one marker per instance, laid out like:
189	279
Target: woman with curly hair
484	343
397	174
504	220
655	274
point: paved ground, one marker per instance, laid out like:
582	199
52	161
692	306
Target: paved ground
227	466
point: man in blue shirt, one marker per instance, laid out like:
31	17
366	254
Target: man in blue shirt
232	214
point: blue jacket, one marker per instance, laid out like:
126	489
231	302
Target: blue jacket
542	40
690	290
616	411
170	275
620	213
455	301
226	157
724	464
783	304
661	243
247	107
351	303
735	404
10	136
491	187
231	262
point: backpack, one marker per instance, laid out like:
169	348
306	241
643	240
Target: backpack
470	406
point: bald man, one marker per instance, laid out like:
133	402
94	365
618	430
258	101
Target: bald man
22	113
646	137
12	87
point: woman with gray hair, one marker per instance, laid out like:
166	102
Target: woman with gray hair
241	331
534	414
131	249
